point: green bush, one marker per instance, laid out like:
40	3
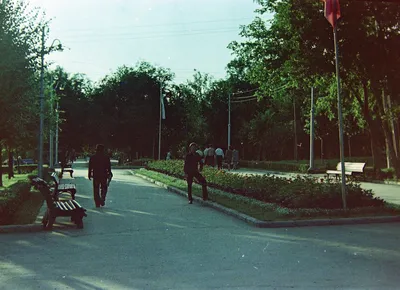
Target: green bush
278	166
300	192
11	198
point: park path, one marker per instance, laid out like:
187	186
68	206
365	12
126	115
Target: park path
149	238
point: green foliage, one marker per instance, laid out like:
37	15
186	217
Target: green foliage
278	166
11	198
300	192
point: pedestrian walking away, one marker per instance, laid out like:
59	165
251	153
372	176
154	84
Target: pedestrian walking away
191	168
100	171
219	155
228	157
235	158
210	157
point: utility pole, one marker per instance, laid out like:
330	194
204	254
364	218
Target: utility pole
159	127
40	165
340	115
312	132
295	128
56	150
229	120
51	137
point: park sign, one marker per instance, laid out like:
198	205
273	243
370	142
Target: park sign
332	11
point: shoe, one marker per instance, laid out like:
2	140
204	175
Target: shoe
190	201
102	202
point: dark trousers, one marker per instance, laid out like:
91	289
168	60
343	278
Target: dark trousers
97	184
201	180
209	160
219	161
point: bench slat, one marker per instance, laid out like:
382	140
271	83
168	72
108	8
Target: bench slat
67	205
71	204
339	172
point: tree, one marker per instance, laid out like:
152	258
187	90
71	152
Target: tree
19	38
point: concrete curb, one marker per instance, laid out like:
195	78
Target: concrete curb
276	224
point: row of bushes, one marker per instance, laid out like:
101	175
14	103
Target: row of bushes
300	192
26	168
11	198
278	166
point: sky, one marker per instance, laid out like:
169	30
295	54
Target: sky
183	35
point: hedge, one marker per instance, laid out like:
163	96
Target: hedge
300	192
11	198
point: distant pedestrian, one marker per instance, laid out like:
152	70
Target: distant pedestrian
235	158
191	168
100	171
210	157
228	157
219	156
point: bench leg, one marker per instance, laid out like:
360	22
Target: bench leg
45	219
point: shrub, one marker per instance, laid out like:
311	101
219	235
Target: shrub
11	198
300	192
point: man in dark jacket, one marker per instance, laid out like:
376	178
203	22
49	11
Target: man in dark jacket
191	169
100	170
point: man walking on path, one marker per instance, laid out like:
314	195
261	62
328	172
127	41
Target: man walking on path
100	170
219	155
191	169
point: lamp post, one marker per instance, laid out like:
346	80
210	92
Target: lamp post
42	54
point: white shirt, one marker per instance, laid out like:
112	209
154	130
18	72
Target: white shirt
219	152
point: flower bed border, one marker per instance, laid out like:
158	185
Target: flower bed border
277	224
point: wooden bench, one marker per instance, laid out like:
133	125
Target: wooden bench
66	187
70	208
67	168
352	169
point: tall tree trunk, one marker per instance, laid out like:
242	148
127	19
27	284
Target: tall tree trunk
393	127
1	165
373	129
10	164
391	155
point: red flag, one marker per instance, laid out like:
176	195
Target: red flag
332	11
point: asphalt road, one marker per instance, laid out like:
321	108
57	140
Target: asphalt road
149	238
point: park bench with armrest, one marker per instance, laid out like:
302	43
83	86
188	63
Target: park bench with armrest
65	187
352	169
67	168
70	208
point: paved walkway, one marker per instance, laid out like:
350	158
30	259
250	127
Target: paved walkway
149	238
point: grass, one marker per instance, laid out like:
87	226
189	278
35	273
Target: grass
17	177
29	209
268	211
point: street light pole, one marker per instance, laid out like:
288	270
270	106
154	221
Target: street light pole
229	120
51	138
312	132
159	127
40	164
56	149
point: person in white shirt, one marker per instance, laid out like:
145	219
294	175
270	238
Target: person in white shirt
219	155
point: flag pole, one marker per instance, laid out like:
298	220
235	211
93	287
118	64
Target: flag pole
340	116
